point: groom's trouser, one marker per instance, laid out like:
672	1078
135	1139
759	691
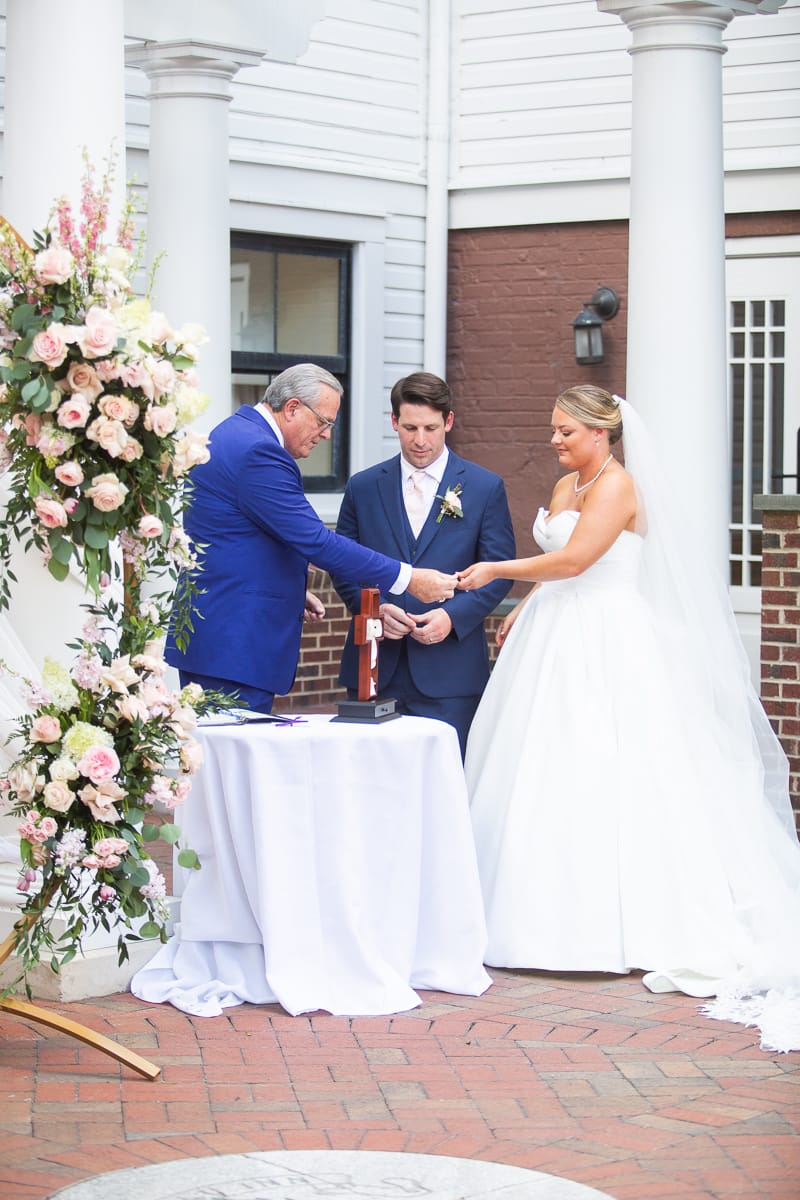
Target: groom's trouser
254	698
457	711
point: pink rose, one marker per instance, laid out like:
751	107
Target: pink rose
131	451
58	796
113	407
190	451
45	729
99	763
53	265
150	526
134	375
51	513
106	892
161	421
53	444
162	373
48	827
111	435
73	413
82	377
131	708
100	801
49	346
191	756
69	473
111	845
99	334
160	328
106	492
108	370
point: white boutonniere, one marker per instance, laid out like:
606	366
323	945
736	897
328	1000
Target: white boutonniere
451	504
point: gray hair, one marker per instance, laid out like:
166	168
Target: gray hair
301	382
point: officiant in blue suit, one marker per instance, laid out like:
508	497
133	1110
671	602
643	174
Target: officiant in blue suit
259	533
430	506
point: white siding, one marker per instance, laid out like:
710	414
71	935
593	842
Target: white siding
354	100
542	93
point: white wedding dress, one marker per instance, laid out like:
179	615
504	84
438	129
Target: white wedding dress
612	833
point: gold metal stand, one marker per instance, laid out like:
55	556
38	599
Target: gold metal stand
22	1008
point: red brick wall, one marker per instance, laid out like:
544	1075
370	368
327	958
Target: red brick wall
780	628
513	294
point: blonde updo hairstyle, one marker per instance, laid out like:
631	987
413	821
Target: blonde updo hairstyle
594	407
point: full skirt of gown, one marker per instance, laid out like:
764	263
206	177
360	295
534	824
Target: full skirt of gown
610	834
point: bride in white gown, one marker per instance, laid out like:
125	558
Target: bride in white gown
629	798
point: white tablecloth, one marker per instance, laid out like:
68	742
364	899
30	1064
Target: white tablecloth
338	872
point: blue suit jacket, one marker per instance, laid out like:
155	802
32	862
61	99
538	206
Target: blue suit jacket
373	514
249	510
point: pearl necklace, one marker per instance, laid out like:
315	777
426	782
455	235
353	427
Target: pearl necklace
594	478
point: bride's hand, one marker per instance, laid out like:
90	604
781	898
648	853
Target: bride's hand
476	576
504	628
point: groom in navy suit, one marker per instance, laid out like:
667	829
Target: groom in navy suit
259	533
428	505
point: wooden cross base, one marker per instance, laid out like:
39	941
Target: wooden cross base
367	632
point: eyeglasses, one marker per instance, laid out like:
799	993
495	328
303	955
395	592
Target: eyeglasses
323	422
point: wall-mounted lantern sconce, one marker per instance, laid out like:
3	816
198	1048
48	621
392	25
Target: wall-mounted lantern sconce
588	324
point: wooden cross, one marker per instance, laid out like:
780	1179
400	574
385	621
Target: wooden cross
367	632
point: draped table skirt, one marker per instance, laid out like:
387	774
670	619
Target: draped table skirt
338	872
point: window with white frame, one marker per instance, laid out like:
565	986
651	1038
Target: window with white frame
290	303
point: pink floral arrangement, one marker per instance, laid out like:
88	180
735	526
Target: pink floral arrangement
96	393
107	753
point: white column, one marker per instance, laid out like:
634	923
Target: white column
677	361
188	196
436	196
45	133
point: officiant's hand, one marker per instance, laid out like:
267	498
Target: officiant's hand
432	627
314	608
429	585
397	623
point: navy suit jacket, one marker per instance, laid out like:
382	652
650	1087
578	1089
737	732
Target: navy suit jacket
248	508
373	514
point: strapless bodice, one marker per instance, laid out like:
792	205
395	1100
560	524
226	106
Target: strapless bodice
618	567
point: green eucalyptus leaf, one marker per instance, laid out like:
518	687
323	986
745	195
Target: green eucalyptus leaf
151	833
57	569
21	316
169	833
188	858
96	537
149	930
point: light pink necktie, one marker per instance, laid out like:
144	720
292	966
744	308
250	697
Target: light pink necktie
416	501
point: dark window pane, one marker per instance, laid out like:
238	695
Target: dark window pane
736	574
758	310
756	345
777	345
737	314
736	541
778	312
737	345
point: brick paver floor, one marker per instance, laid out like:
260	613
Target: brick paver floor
586	1077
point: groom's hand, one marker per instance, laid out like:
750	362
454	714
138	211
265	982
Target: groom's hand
429	585
396	622
432	627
